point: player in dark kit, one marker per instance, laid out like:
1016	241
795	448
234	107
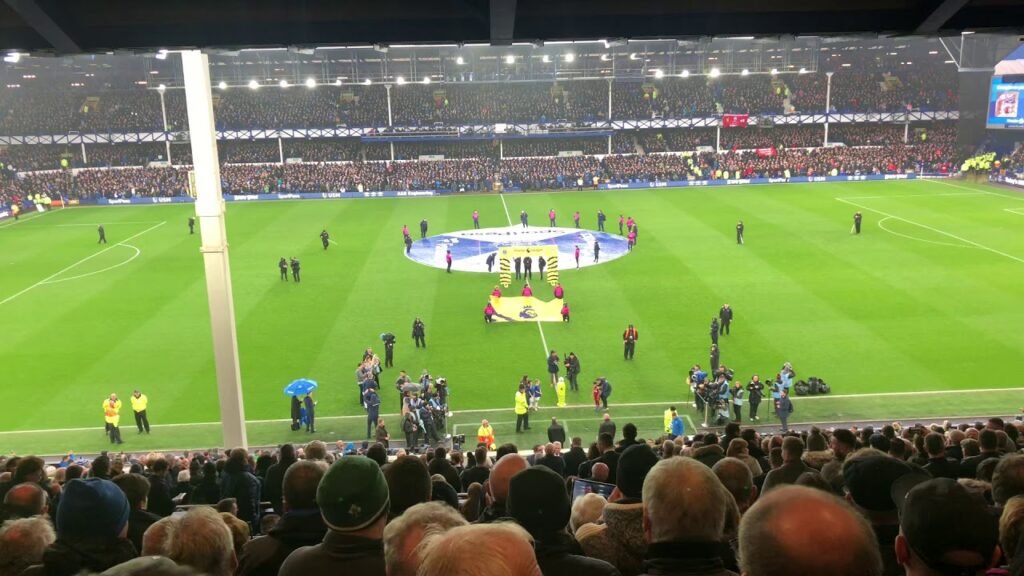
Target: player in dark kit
295	269
519	266
423	229
191	224
408	244
597	251
419	333
325	238
283	265
857	216
739	232
600	220
714	330
540	266
490	260
528	267
725	315
103	235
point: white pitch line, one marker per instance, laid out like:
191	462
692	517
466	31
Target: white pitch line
975	193
543	340
926	227
107	223
83	260
909	237
25	218
1017	211
989	192
102	270
613	407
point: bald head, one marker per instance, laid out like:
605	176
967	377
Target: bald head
683	502
737	479
786	531
26	500
599	472
501	474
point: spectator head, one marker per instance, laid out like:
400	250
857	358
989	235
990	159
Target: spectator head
539	503
816	441
404	537
869	476
944	529
240	532
442	491
378	453
668	449
985	470
732	430
585	510
501	475
737	447
629	432
995	424
683	501
203	542
93	508
316	450
503	549
1008	479
73	472
970	447
480	455
898	449
353	496
843	443
879	442
605	442
505	449
955	437
267	523
775	457
229	505
634	464
135	488
287	453
577	442
23	542
599	472
737	479
29	469
988	440
935	445
792	449
409	483
157	539
1011	527
298	489
26	500
100	467
813	479
785	532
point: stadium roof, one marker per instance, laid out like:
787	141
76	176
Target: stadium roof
71	27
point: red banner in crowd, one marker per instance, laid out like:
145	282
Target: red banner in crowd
767	152
734	120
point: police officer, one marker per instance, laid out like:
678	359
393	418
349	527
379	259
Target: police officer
139	404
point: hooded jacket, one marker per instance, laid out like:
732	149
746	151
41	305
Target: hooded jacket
265	555
67	557
620	540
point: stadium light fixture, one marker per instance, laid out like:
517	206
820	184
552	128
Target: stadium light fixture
545	58
745	72
223	85
659	73
253	85
400	80
605	57
337	81
161	55
460	61
803	70
633	56
283	83
570	57
162	87
12	57
685	73
510	59
715	73
367	81
426	79
775	71
310	82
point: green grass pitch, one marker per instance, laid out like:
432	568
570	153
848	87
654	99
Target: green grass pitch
927	299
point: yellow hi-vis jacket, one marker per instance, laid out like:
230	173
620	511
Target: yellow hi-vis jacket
521	407
112	411
139	404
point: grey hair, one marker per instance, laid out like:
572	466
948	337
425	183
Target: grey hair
22	543
405	536
502	549
203	541
684	501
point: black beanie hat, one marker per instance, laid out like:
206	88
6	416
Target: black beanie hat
538	501
634	464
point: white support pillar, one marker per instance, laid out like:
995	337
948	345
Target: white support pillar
280	150
163	112
609	145
828	103
392	146
210	212
85	158
906	132
718	138
387	88
609	99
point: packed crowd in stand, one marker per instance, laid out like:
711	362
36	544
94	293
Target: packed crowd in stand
929	87
943	498
530	147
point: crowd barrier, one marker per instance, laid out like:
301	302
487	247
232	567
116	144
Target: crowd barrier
1015	180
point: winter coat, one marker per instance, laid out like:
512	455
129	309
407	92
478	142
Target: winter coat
67	557
338	553
559	556
684	559
273	484
297	528
620	539
709	455
241	485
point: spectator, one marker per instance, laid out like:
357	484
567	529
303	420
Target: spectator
710	451
354	502
440	465
405	535
202	541
988	442
316	450
684	512
227	506
619	539
502	549
136	489
574	457
479	472
1011	533
240	533
831	537
735	475
586	510
739	449
504	469
607	456
92	525
1008	479
24	501
239	483
159	500
157	539
944	529
552	459
869	476
408	482
272	483
538	502
22	544
792	465
208	489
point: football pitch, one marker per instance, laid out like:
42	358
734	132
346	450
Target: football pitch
918	317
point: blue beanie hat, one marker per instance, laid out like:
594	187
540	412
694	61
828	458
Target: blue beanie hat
93	508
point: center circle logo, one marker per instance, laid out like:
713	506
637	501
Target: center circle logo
472	248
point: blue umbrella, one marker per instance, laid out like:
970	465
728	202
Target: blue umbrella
300	387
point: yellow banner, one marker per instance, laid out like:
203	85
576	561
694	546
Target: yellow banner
506	254
526	309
